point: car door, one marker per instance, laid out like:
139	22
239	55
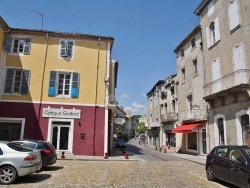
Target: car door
220	162
237	173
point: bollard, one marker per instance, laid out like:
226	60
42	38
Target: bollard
155	148
105	156
63	156
126	156
160	149
165	150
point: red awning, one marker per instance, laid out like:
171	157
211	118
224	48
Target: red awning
186	128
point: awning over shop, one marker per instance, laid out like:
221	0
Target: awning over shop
185	128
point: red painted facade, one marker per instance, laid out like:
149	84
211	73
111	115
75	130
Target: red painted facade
91	123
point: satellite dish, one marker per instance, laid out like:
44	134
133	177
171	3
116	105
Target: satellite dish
119	121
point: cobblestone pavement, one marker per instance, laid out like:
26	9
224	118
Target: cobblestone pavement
124	174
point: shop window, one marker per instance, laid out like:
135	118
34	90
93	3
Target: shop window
192	141
10	131
245	129
221	131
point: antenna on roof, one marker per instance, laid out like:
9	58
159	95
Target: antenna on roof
74	31
40	14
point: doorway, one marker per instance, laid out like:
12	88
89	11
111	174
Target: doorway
61	134
60	137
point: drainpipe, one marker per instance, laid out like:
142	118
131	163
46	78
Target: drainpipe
96	92
204	83
41	94
3	62
106	121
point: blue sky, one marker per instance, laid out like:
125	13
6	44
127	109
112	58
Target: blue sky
146	33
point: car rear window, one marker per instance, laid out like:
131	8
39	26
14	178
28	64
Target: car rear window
19	147
31	145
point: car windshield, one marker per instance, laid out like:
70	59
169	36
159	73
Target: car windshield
19	147
246	151
120	140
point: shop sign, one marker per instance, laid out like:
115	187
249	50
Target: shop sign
119	121
61	113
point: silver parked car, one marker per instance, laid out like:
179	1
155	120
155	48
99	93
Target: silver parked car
17	160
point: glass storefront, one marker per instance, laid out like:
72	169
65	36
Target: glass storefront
192	140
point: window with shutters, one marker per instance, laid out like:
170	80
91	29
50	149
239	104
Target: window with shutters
210	8
193	44
195	67
17	45
233	14
183	78
63	84
182	53
16	81
213	33
66	49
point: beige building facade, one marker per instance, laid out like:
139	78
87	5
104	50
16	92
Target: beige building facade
226	45
191	129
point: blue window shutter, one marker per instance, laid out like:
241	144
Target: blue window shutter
8	80
25	82
75	85
27	45
52	83
7	45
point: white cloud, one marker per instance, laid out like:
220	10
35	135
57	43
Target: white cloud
124	96
136	105
136	108
130	109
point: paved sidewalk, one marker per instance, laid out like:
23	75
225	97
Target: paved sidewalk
117	156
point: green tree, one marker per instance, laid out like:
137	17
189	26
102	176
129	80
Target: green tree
140	128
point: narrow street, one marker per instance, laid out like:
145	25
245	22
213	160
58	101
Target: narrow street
156	169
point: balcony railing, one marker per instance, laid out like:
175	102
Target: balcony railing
169	117
231	80
193	115
154	124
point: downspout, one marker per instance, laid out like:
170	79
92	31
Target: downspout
106	121
41	95
3	62
96	92
204	83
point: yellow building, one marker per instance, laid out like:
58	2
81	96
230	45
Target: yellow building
56	87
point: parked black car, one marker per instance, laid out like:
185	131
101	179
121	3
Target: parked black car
229	163
47	150
120	143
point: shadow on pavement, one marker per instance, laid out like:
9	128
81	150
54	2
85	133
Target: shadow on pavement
33	178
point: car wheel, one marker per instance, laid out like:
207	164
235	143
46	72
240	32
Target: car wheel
7	175
210	173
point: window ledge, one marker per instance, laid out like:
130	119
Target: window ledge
193	48
62	97
234	29
12	94
194	75
15	54
183	82
213	45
